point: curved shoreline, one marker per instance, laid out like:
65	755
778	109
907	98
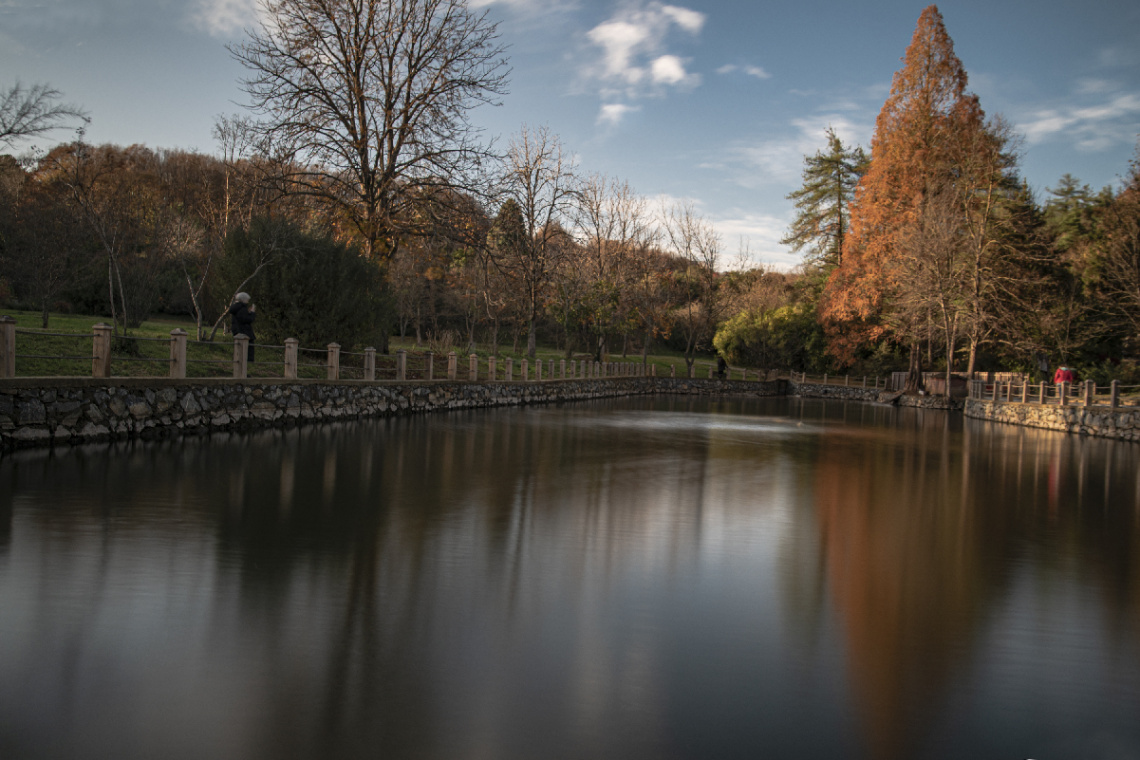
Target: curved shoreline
62	411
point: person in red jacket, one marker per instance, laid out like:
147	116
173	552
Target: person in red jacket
1064	375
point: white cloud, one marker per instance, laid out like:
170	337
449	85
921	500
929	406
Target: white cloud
621	40
752	71
757	236
613	113
223	18
690	21
634	58
1092	128
780	160
669	69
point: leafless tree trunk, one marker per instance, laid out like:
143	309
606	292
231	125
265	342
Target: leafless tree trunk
540	179
693	240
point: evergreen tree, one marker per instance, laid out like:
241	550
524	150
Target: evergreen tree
1118	255
1072	214
822	212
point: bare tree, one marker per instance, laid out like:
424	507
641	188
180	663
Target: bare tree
1119	282
27	112
369	102
540	181
615	229
694	241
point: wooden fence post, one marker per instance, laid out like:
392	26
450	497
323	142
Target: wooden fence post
525	370
1090	393
510	369
473	367
370	364
672	370
538	369
334	361
241	356
291	345
178	353
7	346
101	351
1114	398
452	365
562	368
401	364
429	366
550	368
1062	395
1041	393
492	370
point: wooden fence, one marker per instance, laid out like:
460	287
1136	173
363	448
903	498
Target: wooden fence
1087	394
291	361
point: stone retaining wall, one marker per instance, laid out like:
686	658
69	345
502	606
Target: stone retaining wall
1100	421
82	409
854	393
79	410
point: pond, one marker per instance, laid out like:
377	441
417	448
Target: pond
642	578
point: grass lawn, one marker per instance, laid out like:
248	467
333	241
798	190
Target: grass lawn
64	350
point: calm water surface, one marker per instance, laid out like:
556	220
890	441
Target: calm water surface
659	578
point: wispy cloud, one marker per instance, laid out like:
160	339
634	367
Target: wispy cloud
223	18
613	113
780	160
747	234
1091	127
635	60
755	237
752	71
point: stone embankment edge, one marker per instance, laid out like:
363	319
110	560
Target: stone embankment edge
1101	422
82	410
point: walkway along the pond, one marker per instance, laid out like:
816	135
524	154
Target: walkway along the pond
48	411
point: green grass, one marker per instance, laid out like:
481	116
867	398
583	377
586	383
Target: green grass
145	352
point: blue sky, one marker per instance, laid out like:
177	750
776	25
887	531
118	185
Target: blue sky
714	102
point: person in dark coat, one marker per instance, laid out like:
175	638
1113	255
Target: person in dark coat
241	319
721	367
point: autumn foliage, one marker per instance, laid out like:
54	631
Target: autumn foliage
922	134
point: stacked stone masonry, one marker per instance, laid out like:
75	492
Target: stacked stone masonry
36	413
1101	421
68	411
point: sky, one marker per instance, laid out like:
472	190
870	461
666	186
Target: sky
710	102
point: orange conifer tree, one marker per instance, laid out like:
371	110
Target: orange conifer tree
900	260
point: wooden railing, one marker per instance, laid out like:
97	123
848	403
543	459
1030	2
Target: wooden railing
291	361
1087	394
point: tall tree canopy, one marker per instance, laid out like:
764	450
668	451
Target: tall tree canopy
368	101
906	258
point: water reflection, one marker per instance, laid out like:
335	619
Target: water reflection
649	578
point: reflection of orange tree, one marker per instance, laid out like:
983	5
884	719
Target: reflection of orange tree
907	568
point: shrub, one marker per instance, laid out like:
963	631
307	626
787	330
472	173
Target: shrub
788	337
313	288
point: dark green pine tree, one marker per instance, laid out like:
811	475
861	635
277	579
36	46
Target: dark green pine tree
1073	215
821	204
